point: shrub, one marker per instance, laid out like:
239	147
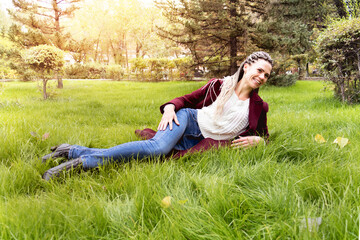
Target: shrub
114	72
184	67
283	80
46	61
138	65
85	71
338	48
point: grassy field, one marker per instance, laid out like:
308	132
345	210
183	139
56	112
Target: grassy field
261	193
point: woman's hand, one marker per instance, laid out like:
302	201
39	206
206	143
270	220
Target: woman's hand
246	142
168	117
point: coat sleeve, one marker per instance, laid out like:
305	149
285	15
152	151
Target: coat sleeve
192	100
262	129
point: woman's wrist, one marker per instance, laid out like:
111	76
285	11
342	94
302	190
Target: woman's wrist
169	107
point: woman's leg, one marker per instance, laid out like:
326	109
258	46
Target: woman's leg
161	144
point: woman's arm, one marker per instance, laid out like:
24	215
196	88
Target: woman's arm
202	97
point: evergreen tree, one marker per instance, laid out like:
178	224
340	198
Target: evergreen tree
289	26
212	28
42	21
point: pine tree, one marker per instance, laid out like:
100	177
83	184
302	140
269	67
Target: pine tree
289	26
42	21
212	28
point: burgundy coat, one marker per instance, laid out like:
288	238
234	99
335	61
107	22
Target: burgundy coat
205	96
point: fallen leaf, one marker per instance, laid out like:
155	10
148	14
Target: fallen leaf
166	202
319	138
182	202
45	136
342	142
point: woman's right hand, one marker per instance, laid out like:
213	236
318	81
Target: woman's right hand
168	117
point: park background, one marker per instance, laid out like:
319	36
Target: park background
304	184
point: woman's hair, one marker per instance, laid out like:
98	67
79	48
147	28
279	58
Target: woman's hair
230	82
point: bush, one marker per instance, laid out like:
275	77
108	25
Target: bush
338	48
85	71
114	72
184	67
283	80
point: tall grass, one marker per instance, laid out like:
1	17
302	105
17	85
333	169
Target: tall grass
261	193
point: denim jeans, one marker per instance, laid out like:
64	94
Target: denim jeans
181	137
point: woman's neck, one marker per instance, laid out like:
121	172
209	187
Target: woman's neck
242	91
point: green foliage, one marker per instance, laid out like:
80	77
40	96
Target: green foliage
6	72
217	66
352	8
288	29
85	71
13	64
283	80
338	49
157	69
184	66
114	72
45	61
211	28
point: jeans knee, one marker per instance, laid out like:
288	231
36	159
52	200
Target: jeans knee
157	147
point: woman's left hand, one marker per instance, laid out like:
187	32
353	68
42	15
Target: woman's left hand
246	142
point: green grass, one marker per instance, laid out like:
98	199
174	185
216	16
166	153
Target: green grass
261	193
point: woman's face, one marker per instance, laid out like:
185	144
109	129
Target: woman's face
257	73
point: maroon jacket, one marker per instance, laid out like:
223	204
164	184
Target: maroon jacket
205	96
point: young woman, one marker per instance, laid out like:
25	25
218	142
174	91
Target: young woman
227	111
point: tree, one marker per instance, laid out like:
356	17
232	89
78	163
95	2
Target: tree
339	50
46	61
288	28
43	23
212	28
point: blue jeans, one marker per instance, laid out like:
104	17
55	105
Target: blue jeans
181	137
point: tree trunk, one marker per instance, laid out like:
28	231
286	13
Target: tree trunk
59	81
233	40
44	81
307	70
59	42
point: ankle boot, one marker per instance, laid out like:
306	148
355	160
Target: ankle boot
58	152
66	166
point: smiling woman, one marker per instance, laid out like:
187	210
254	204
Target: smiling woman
223	112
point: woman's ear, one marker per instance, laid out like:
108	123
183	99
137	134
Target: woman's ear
246	66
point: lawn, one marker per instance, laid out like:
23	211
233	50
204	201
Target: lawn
261	193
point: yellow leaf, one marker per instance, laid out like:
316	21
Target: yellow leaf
182	202
319	138
342	142
166	202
